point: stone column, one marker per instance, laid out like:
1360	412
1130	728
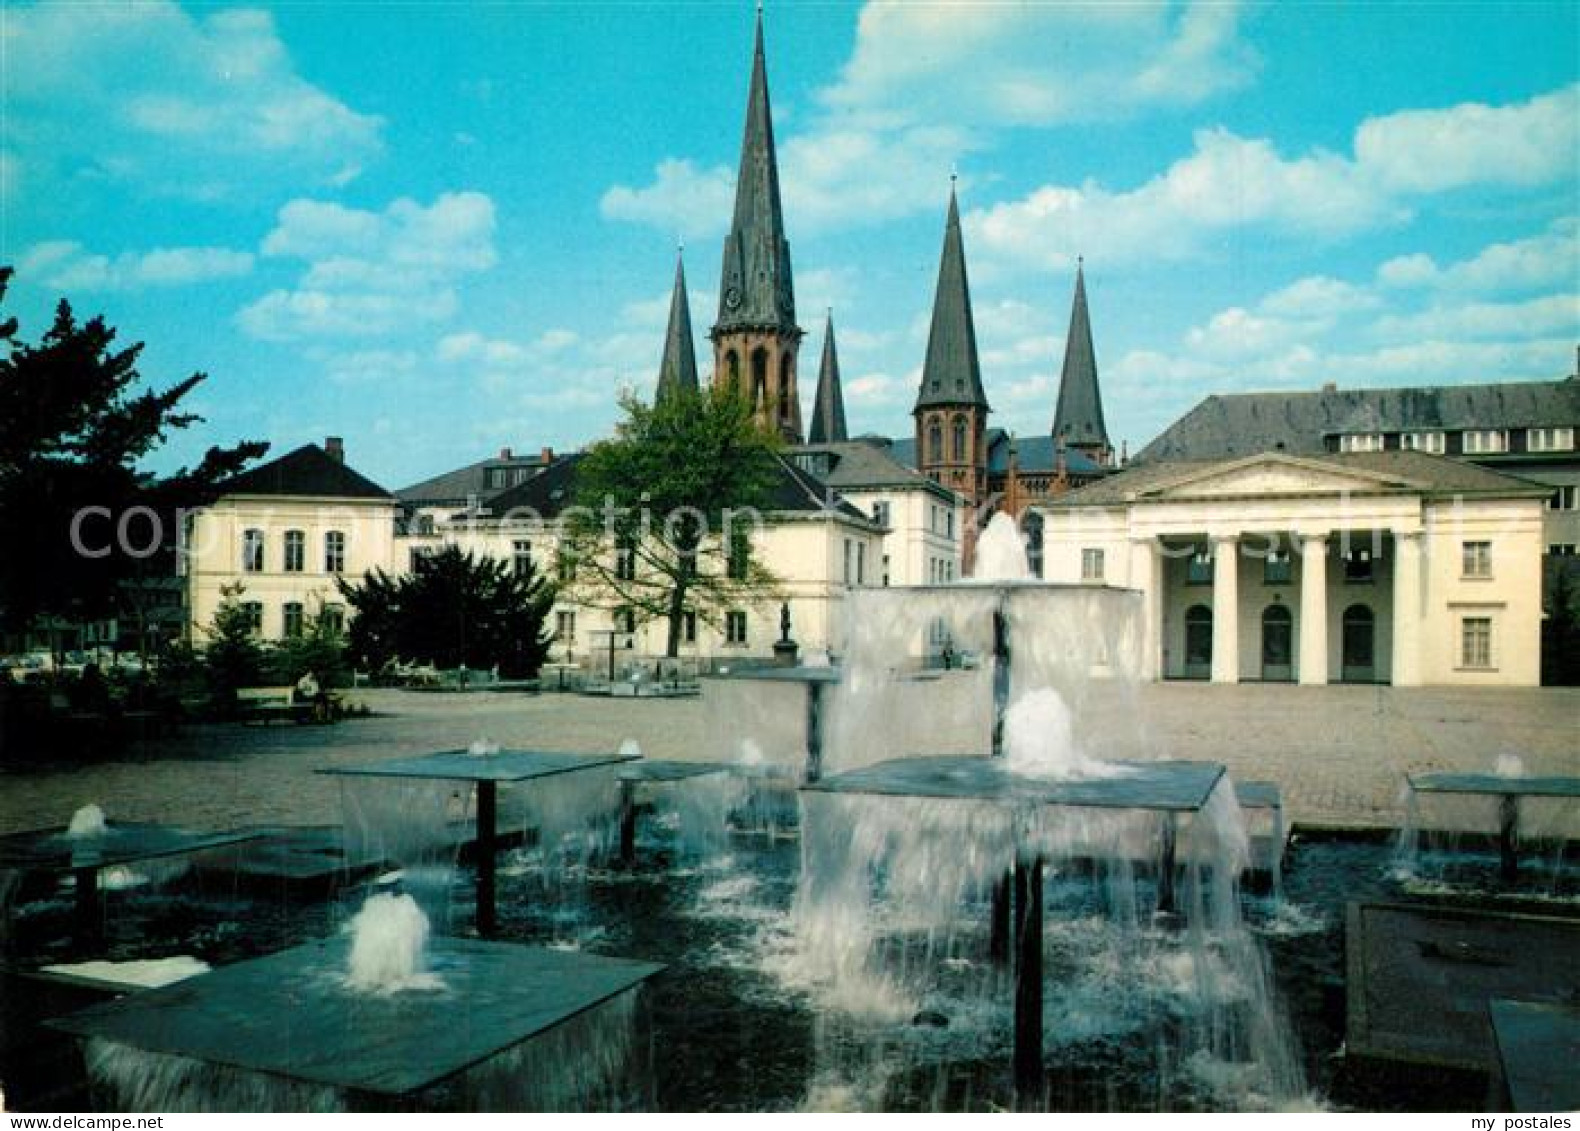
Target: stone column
1146	574
1314	610
1407	609
1226	609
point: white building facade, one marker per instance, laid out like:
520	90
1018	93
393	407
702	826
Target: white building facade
1389	567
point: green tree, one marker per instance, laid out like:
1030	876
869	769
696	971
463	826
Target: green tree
1561	626
662	514
320	648
73	427
453	610
232	658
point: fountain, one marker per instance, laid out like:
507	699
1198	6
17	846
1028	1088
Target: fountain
910	827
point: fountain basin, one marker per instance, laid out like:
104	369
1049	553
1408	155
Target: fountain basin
289	1016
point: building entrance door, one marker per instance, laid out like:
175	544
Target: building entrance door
1198	642
1278	636
1360	645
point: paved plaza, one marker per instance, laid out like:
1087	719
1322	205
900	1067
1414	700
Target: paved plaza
1340	753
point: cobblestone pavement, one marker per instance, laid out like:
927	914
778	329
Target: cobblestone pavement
1340	753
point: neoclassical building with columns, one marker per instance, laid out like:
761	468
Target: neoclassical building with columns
1377	567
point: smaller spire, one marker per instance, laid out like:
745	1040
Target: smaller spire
678	370
828	410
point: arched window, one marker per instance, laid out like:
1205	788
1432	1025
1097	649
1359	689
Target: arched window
1359	648
959	440
784	388
935	442
759	377
1277	642
732	371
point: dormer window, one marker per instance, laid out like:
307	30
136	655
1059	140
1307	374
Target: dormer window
1549	439
1430	442
1486	441
1361	442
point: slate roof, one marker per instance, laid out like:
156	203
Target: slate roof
1078	419
458	487
1243	423
952	372
862	465
1035	453
678	368
550	492
828	408
755	286
308	472
1435	475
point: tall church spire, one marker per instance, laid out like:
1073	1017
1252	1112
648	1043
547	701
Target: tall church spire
756	339
951	374
951	408
828	410
1078	420
678	370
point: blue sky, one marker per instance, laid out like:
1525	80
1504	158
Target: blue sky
439	230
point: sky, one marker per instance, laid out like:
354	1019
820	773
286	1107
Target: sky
439	230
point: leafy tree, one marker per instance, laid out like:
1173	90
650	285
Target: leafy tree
73	427
320	648
1561	627
453	610
232	658
674	472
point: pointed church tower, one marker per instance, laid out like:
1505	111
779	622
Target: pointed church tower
828	411
951	408
678	370
755	339
1078	420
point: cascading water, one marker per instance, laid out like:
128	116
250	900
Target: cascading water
891	915
87	823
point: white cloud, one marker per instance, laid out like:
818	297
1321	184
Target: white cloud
492	352
683	200
1547	316
1230	183
65	265
371	273
1423	151
1319	296
360	366
1551	259
176	103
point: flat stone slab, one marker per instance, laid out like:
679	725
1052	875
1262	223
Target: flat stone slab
1169	786
289	1015
1499	784
784	675
1258	795
296	854
659	770
123	842
1420	978
463	765
1538	1047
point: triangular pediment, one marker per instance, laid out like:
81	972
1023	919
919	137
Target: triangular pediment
1275	474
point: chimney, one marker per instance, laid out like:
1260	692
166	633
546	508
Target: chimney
547	456
504	453
335	448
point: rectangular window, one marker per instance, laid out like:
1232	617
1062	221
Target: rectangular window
1358	565
625	562
1198	570
295	551
1565	499
334	552
292	620
1431	442
1484	441
1476	559
885	570
1549	439
1475	642
688	627
254	611
1276	568
1562	549
949	523
333	619
252	551
850	554
861	563
880	513
566	565
1361	442
735	628
1091	565
521	557
565	626
738	563
419	555
625	620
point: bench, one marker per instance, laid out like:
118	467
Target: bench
265	704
